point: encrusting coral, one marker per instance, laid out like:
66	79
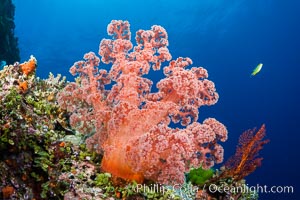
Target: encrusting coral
29	66
29	132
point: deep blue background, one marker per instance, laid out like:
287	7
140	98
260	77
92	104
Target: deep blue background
229	38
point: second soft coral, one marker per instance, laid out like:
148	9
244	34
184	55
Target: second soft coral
246	160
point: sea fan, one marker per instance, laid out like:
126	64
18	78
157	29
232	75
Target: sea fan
246	158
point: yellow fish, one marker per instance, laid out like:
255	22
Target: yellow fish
257	69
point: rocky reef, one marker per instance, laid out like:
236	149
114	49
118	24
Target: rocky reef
9	51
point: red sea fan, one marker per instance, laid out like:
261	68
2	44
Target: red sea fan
246	160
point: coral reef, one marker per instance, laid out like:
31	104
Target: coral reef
129	123
9	51
108	136
41	158
29	133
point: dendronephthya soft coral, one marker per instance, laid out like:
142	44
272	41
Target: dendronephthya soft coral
129	123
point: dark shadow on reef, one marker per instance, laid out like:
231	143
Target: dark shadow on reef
9	51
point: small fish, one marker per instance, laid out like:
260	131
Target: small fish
2	63
257	69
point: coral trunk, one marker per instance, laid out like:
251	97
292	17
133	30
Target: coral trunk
116	164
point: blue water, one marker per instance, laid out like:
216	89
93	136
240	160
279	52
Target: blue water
228	38
2	64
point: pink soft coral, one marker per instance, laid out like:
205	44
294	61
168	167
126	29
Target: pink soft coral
129	123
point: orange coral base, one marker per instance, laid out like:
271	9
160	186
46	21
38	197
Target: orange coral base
116	164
